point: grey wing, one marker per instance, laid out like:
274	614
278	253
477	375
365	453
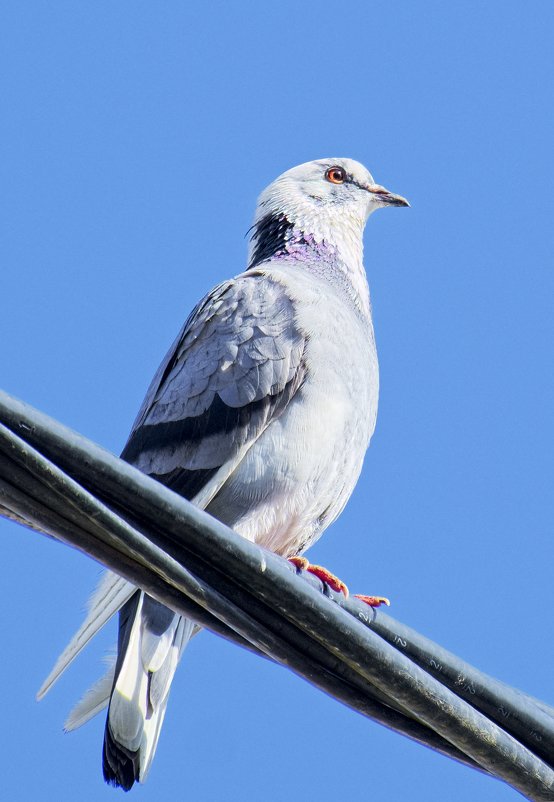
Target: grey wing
234	367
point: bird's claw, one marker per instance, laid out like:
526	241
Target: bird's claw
302	564
373	601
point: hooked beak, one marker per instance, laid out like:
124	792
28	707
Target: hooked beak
386	198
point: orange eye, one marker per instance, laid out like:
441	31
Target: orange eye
336	175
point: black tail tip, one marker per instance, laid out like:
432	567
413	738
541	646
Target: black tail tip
119	765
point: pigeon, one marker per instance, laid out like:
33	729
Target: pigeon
261	413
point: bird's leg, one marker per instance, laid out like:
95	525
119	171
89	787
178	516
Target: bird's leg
302	564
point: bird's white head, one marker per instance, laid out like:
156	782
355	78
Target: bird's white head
335	187
320	205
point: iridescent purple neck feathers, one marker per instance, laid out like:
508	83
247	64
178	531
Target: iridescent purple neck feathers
275	237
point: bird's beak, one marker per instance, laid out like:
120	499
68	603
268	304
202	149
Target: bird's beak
385	197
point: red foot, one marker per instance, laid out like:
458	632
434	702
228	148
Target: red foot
373	601
322	573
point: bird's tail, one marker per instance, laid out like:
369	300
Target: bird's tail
136	687
151	640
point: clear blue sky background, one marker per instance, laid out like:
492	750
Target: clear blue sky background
135	139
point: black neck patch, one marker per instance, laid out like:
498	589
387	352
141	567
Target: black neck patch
270	236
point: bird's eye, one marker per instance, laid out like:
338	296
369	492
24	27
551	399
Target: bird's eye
336	175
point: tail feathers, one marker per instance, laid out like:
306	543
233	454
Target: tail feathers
152	639
93	701
159	694
110	595
120	765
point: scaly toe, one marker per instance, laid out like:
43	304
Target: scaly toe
373	601
336	584
328	578
300	563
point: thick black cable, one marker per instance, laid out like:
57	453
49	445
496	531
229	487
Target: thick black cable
349	641
110	543
530	722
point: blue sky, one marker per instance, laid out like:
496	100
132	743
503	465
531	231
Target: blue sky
136	137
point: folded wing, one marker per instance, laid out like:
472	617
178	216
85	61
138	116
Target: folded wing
234	368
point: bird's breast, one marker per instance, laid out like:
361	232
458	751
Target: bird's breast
297	477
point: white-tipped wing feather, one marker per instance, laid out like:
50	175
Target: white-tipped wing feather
108	598
92	702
